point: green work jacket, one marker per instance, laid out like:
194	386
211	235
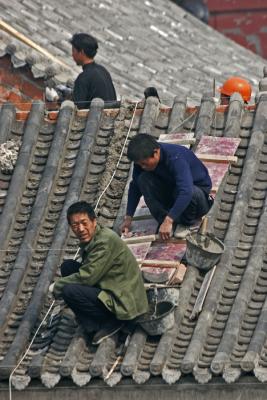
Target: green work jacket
110	265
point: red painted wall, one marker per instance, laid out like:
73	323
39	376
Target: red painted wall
244	21
18	85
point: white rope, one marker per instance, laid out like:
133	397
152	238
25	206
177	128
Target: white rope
27	351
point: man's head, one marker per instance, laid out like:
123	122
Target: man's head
144	151
233	85
84	48
82	220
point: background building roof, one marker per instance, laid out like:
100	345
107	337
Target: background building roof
141	43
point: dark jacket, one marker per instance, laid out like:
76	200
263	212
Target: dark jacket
110	265
180	168
94	81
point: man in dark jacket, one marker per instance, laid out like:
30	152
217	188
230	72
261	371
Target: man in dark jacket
95	80
174	182
106	288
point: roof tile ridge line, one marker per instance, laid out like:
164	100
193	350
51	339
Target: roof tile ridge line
147	123
251	358
234	116
75	349
38	211
19	176
61	231
65	330
164	349
107	175
101	360
35	365
245	186
177	114
121	211
149	116
236	106
204	119
239	307
133	352
7	116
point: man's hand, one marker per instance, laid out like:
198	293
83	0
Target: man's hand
127	222
165	229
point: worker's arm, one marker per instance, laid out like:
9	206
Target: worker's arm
90	273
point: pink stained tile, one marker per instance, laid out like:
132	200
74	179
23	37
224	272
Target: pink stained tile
166	251
177	135
216	171
139	250
217	145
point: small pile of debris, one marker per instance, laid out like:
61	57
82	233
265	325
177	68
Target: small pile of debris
8	155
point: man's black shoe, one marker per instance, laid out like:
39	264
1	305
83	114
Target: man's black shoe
104	334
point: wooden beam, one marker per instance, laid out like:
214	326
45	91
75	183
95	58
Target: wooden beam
179	141
141	217
140	239
159	285
159	263
150	238
217	158
22	38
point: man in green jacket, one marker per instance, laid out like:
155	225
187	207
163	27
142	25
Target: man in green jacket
106	288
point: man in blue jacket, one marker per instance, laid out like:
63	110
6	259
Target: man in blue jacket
175	184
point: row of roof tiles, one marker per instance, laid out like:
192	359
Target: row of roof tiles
228	338
170	49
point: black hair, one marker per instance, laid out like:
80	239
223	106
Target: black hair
81	207
142	146
85	42
151	91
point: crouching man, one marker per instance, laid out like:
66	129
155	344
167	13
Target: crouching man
175	184
106	288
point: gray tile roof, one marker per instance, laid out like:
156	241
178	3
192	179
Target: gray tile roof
142	43
229	336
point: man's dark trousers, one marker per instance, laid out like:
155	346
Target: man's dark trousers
90	312
160	197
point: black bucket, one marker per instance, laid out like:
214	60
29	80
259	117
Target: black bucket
203	251
159	319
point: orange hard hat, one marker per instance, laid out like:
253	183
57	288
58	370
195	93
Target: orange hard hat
237	84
